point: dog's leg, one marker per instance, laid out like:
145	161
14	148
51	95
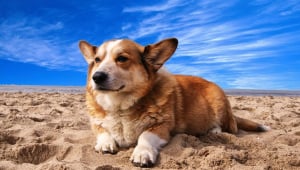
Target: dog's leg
147	149
105	143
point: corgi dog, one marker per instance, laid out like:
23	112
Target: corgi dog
133	101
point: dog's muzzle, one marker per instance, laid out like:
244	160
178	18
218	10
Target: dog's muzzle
103	83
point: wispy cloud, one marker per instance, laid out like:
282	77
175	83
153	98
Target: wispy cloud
212	33
156	8
30	40
278	7
256	82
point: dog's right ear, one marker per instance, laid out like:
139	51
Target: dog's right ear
88	51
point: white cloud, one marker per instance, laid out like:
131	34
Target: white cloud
257	81
278	7
232	44
26	40
156	8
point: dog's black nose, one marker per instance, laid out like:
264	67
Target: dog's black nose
100	77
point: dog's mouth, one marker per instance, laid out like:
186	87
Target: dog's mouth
102	88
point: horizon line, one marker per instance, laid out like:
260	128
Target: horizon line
81	89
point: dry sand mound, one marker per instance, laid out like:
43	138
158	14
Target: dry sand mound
51	131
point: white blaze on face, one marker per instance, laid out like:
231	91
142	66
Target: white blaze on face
107	49
107	64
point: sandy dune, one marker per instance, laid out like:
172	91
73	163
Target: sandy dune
51	131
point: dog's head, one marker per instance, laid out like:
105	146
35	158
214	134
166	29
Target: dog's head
123	65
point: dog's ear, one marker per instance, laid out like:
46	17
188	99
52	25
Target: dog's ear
88	51
157	54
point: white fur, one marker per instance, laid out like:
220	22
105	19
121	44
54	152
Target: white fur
110	45
266	128
121	129
105	143
147	148
115	101
216	130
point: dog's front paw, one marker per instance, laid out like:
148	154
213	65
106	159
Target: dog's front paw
144	156
106	144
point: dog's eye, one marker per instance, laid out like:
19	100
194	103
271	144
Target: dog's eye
121	59
97	59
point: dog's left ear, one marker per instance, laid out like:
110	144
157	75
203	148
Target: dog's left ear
157	54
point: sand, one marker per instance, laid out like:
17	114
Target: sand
51	131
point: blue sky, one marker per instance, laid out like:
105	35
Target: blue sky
237	44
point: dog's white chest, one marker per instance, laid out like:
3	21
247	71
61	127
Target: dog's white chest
111	102
123	130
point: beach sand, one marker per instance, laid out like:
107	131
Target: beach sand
52	131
